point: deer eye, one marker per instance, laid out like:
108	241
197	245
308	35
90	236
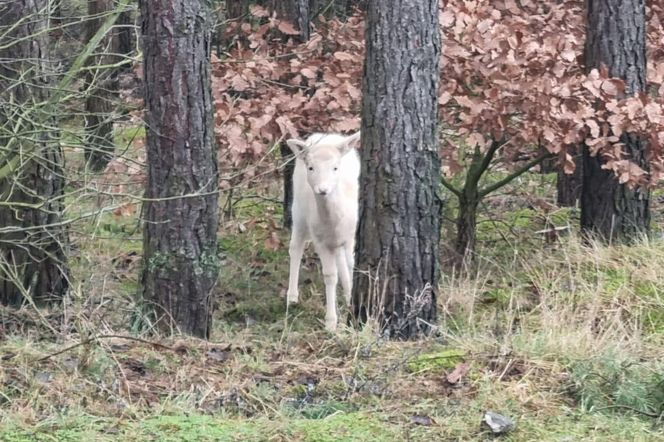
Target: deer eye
311	168
336	168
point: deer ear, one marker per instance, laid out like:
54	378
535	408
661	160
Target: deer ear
297	146
351	142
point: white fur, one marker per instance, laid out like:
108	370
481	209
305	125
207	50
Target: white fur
325	206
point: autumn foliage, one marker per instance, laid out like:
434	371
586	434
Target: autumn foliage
271	87
512	73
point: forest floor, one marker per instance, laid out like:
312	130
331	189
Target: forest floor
565	339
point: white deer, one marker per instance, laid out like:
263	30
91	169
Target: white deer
325	207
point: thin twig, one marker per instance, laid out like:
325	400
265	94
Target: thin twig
635	410
95	338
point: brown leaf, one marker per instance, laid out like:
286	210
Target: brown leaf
287	28
458	373
343	56
273	242
258	11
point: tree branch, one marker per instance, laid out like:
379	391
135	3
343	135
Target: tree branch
495	186
450	187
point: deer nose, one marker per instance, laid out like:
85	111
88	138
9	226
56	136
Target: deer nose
322	190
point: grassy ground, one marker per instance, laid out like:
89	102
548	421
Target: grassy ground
565	339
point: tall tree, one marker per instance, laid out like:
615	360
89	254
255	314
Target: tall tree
616	39
33	238
101	81
297	13
181	208
400	210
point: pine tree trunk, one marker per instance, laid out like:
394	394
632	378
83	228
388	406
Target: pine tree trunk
33	238
126	35
400	210
616	38
101	86
181	213
568	186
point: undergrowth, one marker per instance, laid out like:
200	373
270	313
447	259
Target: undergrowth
564	338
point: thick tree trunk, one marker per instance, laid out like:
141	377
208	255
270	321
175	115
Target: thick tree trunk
568	186
616	38
126	35
400	209
296	12
101	83
181	213
32	238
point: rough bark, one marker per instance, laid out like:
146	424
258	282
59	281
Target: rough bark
296	12
33	239
400	210
616	38
568	186
181	210
126	44
101	83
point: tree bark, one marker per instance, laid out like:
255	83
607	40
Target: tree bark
126	45
568	186
101	83
296	12
616	38
400	209
33	239
181	213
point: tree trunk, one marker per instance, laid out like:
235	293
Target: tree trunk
568	186
466	225
297	13
236	9
181	213
32	237
126	35
400	210
616	38
289	168
101	82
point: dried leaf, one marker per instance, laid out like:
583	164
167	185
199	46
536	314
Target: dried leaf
287	28
458	373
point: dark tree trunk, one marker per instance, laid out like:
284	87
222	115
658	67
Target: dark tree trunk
289	168
236	9
33	238
126	35
297	13
568	186
400	209
616	38
101	82
466	225
181	213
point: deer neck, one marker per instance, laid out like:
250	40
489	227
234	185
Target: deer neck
328	207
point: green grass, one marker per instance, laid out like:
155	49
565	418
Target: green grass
564	338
